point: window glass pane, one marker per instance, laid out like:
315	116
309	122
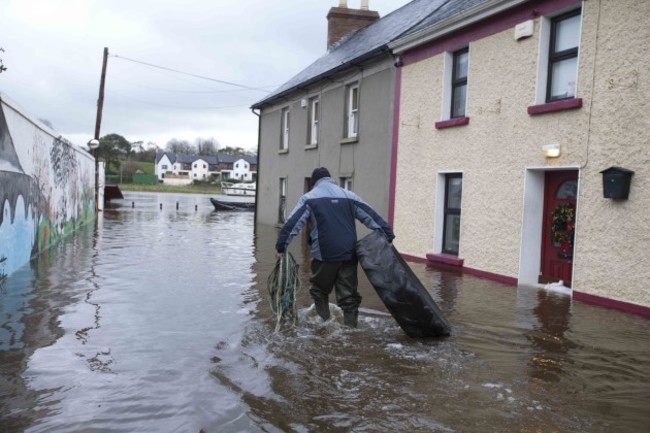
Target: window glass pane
454	192
563	79
452	233
460	66
460	96
568	189
567	34
354	103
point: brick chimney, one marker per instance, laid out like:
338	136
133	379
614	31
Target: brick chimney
342	21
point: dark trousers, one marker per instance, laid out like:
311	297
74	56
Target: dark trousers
341	276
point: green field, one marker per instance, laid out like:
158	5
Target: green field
197	188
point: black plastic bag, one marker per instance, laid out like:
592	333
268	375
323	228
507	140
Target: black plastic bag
400	289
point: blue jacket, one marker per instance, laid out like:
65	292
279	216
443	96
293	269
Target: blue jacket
332	211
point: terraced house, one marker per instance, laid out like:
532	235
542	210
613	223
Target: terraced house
503	138
522	146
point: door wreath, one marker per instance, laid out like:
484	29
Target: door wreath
563	225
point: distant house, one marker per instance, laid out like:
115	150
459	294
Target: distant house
184	169
238	168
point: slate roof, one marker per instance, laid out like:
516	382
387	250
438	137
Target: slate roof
372	40
448	10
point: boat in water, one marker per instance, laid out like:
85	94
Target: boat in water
223	205
239	189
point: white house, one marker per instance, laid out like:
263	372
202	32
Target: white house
184	169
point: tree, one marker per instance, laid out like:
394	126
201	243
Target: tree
181	147
237	151
111	148
2	66
207	146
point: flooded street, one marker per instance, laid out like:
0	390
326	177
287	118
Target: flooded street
160	322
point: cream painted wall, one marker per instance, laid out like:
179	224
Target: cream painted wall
501	142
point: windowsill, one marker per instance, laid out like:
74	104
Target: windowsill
457	121
564	104
350	140
446	259
282	151
311	146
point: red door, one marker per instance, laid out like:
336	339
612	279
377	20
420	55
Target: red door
560	192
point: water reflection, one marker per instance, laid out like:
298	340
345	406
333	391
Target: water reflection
161	322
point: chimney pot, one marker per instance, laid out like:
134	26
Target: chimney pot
342	21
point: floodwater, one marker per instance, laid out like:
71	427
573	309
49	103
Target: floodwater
159	322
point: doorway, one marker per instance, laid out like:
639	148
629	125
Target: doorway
558	226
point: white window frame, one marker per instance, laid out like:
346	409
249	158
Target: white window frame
314	115
544	52
346	183
282	206
441	198
353	110
284	139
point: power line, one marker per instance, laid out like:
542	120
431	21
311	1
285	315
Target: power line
190	74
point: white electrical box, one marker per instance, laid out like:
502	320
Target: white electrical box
524	30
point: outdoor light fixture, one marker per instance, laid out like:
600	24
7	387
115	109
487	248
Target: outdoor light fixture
551	150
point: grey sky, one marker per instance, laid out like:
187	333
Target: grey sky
53	52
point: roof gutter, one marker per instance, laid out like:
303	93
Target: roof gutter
467	17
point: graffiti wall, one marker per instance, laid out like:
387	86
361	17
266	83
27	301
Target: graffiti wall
46	187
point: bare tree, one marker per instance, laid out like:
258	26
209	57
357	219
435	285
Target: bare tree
180	147
2	66
207	146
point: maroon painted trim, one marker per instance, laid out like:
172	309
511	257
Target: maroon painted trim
564	104
510	281
413	259
393	154
487	27
446	259
457	121
612	303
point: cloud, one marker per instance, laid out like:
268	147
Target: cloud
53	52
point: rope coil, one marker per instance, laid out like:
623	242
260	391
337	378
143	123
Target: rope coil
283	285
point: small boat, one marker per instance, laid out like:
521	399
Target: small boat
232	205
245	189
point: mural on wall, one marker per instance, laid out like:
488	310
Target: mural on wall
46	187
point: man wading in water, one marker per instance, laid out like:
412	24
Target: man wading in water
332	211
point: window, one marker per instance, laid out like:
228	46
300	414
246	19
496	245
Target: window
284	141
164	167
352	110
459	83
314	115
346	183
282	208
563	56
451	228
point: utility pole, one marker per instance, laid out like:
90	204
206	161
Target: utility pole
100	100
98	123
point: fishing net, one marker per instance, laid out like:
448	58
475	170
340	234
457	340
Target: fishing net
283	285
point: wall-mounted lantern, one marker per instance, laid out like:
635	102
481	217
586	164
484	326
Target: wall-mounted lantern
616	182
551	150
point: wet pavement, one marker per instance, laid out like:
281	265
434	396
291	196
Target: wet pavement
158	320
